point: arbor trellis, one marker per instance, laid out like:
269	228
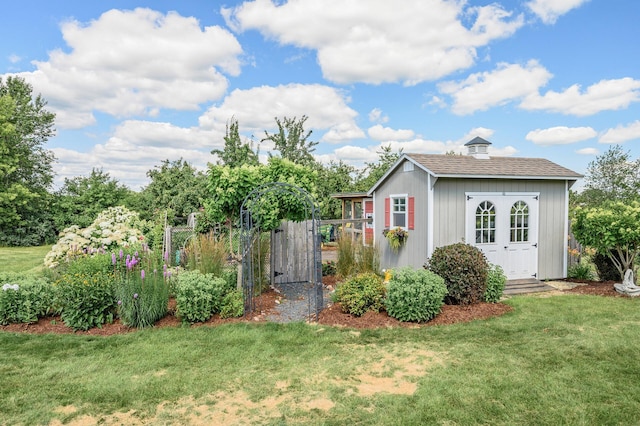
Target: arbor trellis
257	215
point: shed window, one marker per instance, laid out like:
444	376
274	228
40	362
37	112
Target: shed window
519	222
485	223
399	212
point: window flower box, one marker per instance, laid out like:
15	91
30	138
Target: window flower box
396	237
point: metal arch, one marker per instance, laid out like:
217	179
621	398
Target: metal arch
251	234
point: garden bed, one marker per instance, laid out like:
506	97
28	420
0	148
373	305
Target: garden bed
332	315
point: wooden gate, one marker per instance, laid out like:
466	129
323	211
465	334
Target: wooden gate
295	253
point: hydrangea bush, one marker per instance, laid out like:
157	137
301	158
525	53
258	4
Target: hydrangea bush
113	228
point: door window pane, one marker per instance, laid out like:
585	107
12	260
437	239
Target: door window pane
485	223
519	222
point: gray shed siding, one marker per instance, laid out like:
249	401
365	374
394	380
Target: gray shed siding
449	215
414	184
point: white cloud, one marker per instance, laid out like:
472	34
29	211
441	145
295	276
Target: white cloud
123	160
129	63
380	133
560	135
376	116
257	108
14	59
507	151
606	95
507	82
157	134
356	154
379	41
587	151
621	134
550	10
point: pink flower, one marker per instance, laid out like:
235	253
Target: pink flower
142	273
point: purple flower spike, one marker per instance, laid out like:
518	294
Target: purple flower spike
136	253
113	258
128	258
166	256
142	273
121	253
135	295
164	267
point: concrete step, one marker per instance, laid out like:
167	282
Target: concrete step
525	286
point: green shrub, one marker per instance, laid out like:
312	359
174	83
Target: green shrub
496	280
328	268
414	295
230	276
25	299
361	293
199	296
581	271
87	264
605	268
87	300
143	298
464	269
232	305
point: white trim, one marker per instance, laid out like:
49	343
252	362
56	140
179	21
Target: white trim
504	193
374	220
565	260
406	211
531	177
430	228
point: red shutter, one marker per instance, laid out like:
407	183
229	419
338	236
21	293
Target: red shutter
387	212
412	212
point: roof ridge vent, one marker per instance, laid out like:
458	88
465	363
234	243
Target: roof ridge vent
478	148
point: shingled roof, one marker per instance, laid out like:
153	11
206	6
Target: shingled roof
514	167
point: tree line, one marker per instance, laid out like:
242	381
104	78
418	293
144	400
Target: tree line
32	213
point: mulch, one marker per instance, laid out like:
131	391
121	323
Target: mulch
330	316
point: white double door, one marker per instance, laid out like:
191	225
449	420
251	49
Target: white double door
505	227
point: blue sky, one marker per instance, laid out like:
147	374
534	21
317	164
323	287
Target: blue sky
133	83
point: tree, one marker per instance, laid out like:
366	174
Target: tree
334	178
611	229
613	176
26	170
292	141
229	186
235	152
176	186
82	198
374	171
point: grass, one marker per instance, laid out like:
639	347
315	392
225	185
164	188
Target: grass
23	259
557	360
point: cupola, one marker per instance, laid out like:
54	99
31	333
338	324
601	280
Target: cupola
478	148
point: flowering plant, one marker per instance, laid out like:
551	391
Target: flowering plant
396	237
114	227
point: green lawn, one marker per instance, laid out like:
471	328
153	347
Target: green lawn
554	360
23	259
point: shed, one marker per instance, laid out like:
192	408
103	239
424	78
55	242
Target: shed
357	205
513	209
